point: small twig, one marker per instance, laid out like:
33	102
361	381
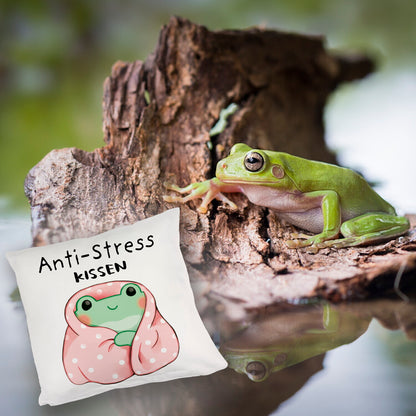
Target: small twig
397	282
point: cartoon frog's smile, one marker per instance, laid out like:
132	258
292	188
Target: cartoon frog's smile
112	309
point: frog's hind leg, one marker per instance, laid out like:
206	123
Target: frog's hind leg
368	229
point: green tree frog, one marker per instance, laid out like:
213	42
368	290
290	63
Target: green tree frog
121	313
324	199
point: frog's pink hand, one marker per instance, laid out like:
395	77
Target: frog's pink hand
207	190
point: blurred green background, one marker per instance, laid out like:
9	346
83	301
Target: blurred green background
55	55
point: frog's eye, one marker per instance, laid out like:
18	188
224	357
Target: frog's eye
86	305
130	291
253	161
256	370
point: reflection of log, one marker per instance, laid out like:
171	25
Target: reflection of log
392	314
157	118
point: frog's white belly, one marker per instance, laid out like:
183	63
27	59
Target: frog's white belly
311	220
295	208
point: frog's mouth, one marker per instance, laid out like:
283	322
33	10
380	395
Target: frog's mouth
112	309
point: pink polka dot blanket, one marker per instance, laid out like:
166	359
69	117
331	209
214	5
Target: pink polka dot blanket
93	352
110	311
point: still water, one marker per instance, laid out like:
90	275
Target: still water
349	359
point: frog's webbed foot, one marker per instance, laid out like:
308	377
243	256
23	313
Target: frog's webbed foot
195	190
302	236
314	243
207	190
341	243
221	197
209	196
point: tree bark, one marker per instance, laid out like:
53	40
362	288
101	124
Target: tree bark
157	118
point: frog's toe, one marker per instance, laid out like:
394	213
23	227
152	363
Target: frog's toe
171	186
341	242
314	243
291	243
171	198
298	243
309	244
202	209
297	236
221	197
313	249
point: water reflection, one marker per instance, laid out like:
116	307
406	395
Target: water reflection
281	351
225	393
281	340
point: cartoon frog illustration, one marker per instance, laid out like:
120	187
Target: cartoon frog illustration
121	313
115	331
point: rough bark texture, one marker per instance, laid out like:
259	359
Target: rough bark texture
157	118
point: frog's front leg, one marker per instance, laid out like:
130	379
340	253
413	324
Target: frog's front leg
331	212
369	228
207	190
124	338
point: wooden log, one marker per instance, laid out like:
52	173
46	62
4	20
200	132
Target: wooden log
157	118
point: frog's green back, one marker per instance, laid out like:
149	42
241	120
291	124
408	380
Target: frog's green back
356	195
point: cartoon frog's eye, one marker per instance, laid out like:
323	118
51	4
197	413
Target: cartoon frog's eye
86	305
130	291
253	161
